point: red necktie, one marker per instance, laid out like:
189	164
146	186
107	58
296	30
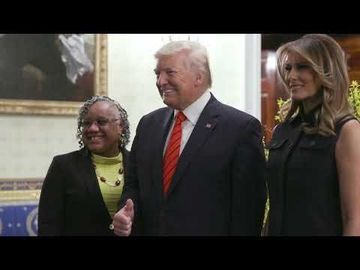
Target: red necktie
172	152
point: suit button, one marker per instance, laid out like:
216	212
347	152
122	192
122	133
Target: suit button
111	227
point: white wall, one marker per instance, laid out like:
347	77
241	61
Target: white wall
234	59
28	143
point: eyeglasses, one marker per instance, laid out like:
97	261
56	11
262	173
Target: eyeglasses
102	122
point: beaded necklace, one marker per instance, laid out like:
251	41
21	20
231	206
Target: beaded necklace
106	181
112	184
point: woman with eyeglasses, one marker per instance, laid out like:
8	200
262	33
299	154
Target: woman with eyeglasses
82	189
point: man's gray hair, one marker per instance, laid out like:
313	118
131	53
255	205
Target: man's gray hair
197	55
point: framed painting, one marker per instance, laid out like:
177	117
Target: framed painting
51	74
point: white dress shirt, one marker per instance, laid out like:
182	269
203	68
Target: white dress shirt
192	113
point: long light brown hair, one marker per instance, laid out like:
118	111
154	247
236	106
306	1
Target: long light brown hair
328	61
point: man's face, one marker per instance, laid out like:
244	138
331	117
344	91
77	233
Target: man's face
177	82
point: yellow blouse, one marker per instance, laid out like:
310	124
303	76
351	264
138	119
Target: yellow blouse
110	175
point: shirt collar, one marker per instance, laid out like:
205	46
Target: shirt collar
193	111
310	118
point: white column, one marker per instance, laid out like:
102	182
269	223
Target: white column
252	74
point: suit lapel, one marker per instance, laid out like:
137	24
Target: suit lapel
126	157
159	139
201	132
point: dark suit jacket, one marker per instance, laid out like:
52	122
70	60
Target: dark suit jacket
71	202
218	187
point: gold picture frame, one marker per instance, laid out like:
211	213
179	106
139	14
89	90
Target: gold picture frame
19	105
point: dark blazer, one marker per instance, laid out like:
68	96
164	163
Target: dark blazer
218	187
71	202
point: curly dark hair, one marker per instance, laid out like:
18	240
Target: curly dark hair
125	135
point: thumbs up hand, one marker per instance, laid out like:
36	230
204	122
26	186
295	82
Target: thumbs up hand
123	219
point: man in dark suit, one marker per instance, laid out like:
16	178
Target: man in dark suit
212	181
